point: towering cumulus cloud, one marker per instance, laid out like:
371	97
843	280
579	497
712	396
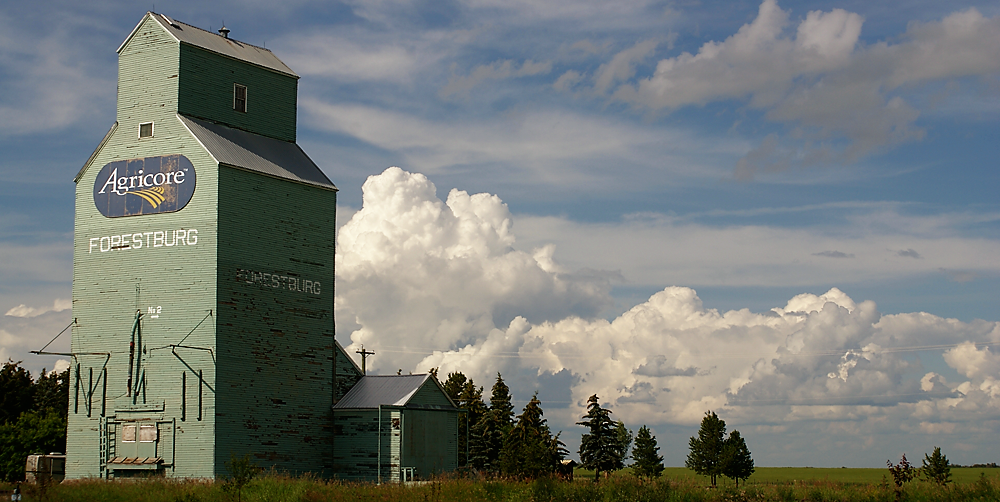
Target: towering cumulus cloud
427	283
416	274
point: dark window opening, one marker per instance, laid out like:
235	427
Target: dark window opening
146	130
240	98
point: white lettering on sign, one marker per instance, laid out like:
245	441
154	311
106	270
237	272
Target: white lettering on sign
121	186
140	240
279	281
154	312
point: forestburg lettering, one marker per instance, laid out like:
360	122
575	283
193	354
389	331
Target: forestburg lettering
278	281
140	240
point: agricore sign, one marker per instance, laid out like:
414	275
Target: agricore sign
148	185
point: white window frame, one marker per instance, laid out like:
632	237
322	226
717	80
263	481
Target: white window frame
152	129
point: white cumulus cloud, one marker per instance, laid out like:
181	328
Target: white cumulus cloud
416	273
431	283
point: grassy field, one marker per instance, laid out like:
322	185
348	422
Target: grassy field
777	484
836	475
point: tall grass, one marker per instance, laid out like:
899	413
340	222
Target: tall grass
623	488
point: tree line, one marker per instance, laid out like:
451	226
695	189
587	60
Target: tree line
32	416
493	441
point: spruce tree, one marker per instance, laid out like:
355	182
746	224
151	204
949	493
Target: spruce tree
738	462
467	396
601	449
623	442
648	462
487	435
936	467
472	401
707	450
529	450
453	386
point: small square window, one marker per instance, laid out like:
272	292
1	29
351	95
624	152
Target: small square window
146	130
240	98
147	433
128	433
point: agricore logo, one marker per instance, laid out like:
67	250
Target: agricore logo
148	185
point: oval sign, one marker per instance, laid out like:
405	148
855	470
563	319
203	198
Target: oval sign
149	185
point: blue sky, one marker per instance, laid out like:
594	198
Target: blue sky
750	152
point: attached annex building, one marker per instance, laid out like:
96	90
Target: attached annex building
203	286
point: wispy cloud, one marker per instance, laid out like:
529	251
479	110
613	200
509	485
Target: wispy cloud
498	70
836	93
833	254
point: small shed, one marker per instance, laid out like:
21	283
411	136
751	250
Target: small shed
392	428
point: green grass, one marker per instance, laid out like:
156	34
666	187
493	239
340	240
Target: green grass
777	484
778	475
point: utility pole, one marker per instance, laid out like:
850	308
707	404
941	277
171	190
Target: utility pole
364	356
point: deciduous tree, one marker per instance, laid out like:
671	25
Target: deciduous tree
32	416
15	391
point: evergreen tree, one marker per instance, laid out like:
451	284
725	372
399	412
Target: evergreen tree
500	401
453	386
601	449
738	463
936	467
472	401
707	450
623	441
487	435
467	396
529	450
648	462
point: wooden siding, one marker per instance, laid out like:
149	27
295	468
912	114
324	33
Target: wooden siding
231	360
276	325
429	394
358	456
206	91
430	441
177	282
148	69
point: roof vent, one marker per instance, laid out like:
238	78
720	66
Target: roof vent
224	31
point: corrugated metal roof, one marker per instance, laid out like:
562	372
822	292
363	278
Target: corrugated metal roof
384	390
233	48
282	159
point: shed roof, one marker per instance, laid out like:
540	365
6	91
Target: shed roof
216	43
386	390
273	157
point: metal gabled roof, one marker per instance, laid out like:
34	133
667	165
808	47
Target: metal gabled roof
207	40
384	390
253	152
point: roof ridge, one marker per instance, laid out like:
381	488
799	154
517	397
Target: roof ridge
175	20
